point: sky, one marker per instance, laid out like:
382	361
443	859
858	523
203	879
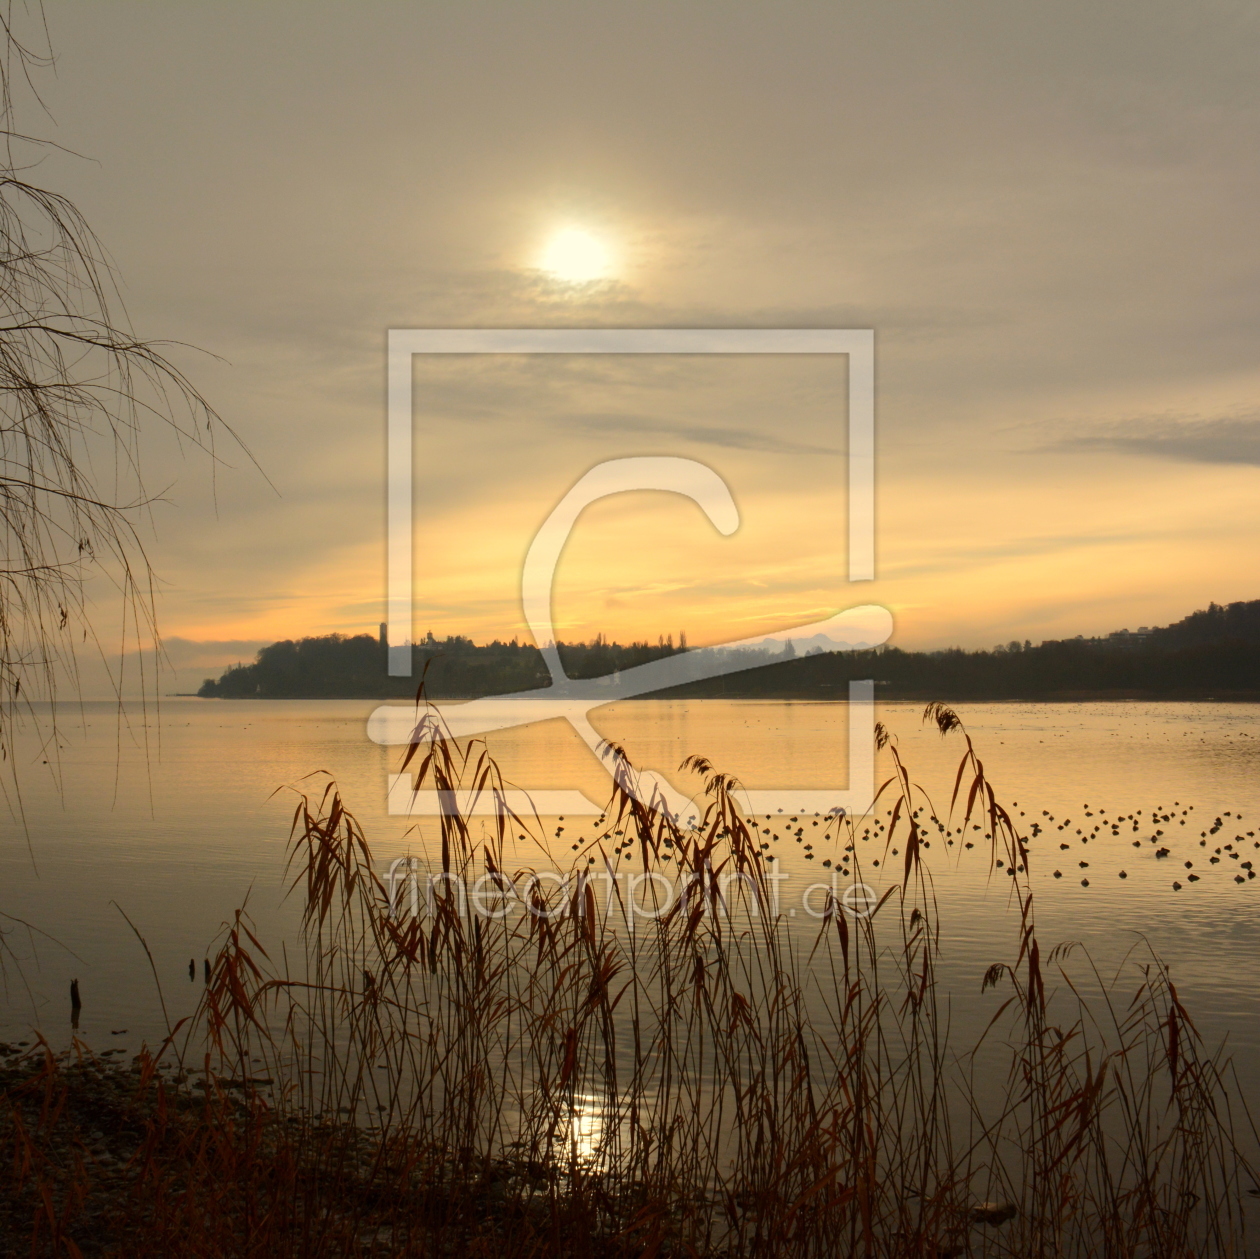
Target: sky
1045	212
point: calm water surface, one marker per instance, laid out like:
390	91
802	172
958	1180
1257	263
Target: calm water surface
179	821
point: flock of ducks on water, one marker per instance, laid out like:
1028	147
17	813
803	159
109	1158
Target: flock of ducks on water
1219	854
1149	831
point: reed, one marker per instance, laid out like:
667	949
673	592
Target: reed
531	1068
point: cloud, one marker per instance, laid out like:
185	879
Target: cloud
1054	215
210	653
185	664
1226	439
702	434
954	557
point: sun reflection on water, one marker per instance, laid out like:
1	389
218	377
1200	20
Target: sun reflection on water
587	1120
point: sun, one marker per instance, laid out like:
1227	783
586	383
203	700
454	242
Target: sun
576	256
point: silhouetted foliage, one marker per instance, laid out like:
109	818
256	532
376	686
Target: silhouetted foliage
338	667
1210	654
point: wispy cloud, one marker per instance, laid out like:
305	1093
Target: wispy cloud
182	652
1190	439
701	434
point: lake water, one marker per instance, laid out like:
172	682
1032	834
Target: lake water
180	820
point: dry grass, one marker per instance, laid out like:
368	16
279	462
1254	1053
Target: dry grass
554	1083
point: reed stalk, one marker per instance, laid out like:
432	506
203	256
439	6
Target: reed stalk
536	1069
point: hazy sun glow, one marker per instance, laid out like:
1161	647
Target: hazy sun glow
574	255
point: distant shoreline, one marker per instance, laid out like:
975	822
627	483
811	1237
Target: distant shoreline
1211	655
1070	697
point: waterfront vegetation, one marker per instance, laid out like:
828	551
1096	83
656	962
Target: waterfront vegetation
549	1082
1213	653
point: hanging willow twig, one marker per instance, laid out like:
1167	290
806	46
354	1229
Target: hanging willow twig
78	395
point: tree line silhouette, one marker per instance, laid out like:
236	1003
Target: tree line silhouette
336	666
1213	653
